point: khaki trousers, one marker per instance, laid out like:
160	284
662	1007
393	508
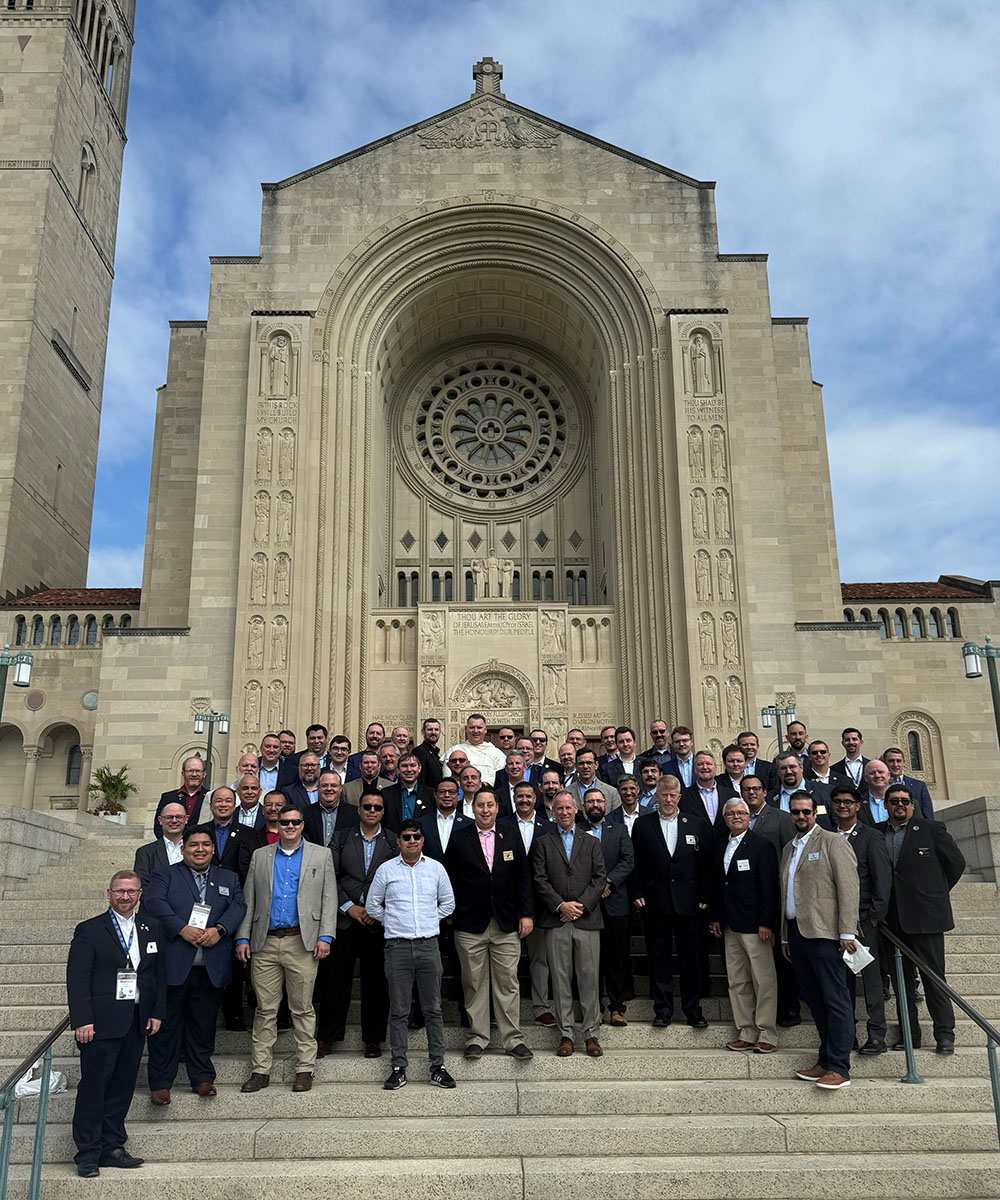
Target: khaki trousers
283	963
753	986
489	964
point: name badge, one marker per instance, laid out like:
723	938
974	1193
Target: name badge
199	916
223	891
125	986
814	857
820	810
508	856
743	864
691	839
151	947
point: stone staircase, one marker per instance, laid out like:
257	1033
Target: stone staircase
663	1113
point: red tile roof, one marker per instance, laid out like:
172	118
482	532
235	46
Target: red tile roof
904	591
79	598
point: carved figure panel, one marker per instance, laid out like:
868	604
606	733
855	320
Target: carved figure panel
696	453
494	693
281	591
735	707
275	704
286	456
283	519
710	702
723	519
431	632
553	632
251	706
727	581
255	644
703	576
258	579
265	448
717	454
432	687
261	517
730	640
699	515
487	126
707	650
279	643
554	684
702	367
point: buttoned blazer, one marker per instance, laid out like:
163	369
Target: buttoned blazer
432	839
174	797
505	892
354	790
353	881
230	860
581	877
874	871
826	887
675	885
95	958
147	859
692	805
774	826
746	898
613	771
316	901
928	867
169	898
312	827
392	798
619	863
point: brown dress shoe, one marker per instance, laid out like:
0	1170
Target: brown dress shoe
161	1096
205	1089
565	1047
303	1082
618	1020
831	1081
323	1049
764	1048
739	1044
811	1074
593	1048
546	1019
373	1049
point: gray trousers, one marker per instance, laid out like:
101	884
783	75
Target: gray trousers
409	961
574	951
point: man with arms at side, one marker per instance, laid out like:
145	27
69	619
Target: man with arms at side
166	850
407	798
429	753
198	906
331	814
374	737
249	815
852	766
482	754
117	990
410	896
271	770
616	940
728	781
627	762
703	798
894	760
682	763
660	747
609	752
369	780
749	744
539	762
266	835
191	793
439	825
586	779
291	920
514	772
629	809
874	791
819	904
494	911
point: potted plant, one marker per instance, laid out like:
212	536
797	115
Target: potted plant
111	789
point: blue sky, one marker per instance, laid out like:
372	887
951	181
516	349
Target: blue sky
855	143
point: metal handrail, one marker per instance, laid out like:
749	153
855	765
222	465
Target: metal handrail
992	1036
7	1103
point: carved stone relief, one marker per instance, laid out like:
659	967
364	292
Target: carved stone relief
727	582
279	643
494	693
723	520
275	704
717	454
251	706
696	453
258	579
432	687
707	650
735	707
554	684
553	632
265	448
283	519
282	579
431	632
485	126
703	383
255	644
703	576
710	702
261	517
699	515
279	367
730	640
286	456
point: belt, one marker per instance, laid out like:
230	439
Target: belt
286	931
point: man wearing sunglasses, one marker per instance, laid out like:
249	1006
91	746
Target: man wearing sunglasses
291	920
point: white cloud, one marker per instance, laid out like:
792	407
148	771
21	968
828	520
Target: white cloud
115	566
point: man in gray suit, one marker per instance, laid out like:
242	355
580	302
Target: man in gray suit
569	880
291	921
166	850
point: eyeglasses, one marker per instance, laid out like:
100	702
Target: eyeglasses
373	808
752	787
411	837
287	822
125	891
801	812
843	800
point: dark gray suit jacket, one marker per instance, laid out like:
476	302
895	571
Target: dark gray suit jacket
581	877
148	858
353	881
619	863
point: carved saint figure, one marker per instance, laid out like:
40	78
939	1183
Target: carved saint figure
282	576
703	576
696	452
279	642
431	632
710	702
261	516
727	584
507	572
706	639
717	451
555	684
258	579
699	514
723	529
701	366
478	577
251	706
264	446
283	519
255	644
276	705
734	702
492	575
730	641
432	687
277	364
553	633
286	456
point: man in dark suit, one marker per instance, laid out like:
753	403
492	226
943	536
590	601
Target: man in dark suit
191	793
791	780
249	811
407	799
659	748
616	938
609	753
331	814
703	799
374	737
515	772
926	865
748	743
875	885
305	790
569	878
358	853
682	764
852	766
494	911
539	762
199	907
171	818
317	742
440	825
728	781
894	760
117	991
253	839
798	743
627	762
273	770
671	888
745	913
819	769
429	754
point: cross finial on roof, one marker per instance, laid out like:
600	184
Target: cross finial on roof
487	73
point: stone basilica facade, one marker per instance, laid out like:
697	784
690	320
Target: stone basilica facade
489	423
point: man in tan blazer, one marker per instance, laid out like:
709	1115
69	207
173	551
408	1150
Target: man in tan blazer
290	923
819	918
370	779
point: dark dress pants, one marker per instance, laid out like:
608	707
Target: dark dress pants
354	944
789	999
929	947
108	1071
820	970
616	947
192	1012
871	982
662	932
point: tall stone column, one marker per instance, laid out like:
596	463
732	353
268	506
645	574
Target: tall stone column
86	766
31	755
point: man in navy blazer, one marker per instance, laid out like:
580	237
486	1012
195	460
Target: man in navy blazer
171	819
894	760
331	814
616	939
117	991
444	820
199	908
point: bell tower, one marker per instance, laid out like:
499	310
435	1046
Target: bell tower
64	66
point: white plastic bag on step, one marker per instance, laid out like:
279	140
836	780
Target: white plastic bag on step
30	1083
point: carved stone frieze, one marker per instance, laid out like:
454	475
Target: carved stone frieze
487	126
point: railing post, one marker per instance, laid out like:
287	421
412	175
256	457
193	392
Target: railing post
991	1054
8	1132
35	1182
903	1012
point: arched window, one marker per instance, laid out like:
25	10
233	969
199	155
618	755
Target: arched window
951	623
570	588
125	622
581	588
916	624
55	631
449	587
848	614
401	590
435	587
88	178
37	632
536	585
899	623
470	592
883	618
913	747
20	631
550	585
934	623
108	622
515	586
73	631
74	765
414	588
866	614
90	631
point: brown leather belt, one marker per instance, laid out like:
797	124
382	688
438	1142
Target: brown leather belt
286	932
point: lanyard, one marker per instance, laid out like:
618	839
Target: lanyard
121	940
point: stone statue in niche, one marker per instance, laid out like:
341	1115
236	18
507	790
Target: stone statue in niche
431	632
286	456
701	366
279	642
723	527
478	568
493	575
261	516
507	577
706	640
251	706
727	583
265	441
553	632
696	452
717	453
699	514
276	705
283	519
258	579
277	367
730	640
282	578
255	644
710	702
554	678
734	702
703	576
432	687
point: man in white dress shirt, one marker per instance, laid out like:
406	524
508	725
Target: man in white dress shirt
481	753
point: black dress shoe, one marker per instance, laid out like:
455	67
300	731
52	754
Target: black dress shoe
520	1051
87	1172
473	1050
236	1024
661	1022
901	1045
873	1047
119	1157
255	1082
945	1046
790	1021
697	1021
